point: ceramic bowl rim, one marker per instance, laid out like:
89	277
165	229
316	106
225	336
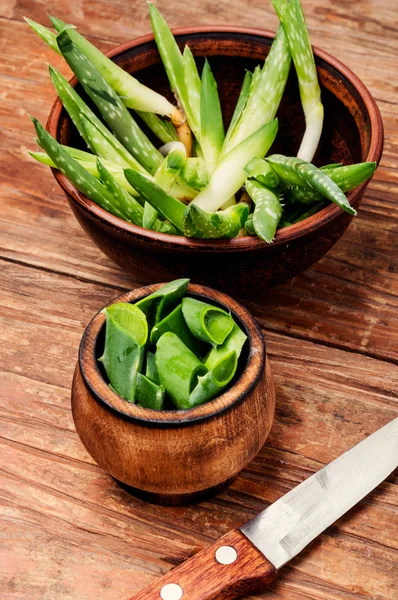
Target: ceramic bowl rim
244	243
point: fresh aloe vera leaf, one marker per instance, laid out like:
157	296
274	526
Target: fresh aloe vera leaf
211	123
46	34
125	203
171	208
292	19
207	322
297	171
163	129
159	304
109	104
194	173
175	66
178	368
108	145
234	342
240	105
176	323
229	175
267	210
262	104
221	224
212	384
262	171
148	394
134	94
82	179
126	334
192	80
151	370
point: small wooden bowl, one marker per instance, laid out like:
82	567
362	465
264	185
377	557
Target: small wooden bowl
353	132
175	457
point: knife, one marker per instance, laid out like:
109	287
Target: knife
246	560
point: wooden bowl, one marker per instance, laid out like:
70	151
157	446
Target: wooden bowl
353	132
175	456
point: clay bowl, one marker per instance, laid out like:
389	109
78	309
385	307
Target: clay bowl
353	132
175	457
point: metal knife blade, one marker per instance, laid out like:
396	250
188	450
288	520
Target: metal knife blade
283	529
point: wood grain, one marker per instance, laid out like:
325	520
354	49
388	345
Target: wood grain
68	531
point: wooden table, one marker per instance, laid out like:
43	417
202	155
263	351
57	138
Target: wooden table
67	529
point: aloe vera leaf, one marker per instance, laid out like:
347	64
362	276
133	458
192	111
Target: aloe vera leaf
125	203
229	175
292	19
194	173
126	334
151	370
221	224
267	210
163	129
109	104
175	66
263	102
108	145
212	384
211	123
178	368
148	394
176	323
82	179
171	208
262	171
133	93
240	105
207	322
46	34
159	304
192	80
233	343
295	170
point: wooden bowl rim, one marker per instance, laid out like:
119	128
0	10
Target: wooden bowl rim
101	391
283	236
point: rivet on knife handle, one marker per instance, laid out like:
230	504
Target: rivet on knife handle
229	569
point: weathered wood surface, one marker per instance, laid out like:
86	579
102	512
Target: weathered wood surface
67	529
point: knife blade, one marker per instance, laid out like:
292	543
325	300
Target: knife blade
245	561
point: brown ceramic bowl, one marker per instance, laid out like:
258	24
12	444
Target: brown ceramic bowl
353	132
175	456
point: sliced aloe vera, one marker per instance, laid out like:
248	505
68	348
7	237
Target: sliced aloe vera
178	368
176	323
151	370
148	393
214	382
159	304
233	343
207	322
125	338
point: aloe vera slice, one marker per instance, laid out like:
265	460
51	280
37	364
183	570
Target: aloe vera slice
211	123
171	208
233	343
207	322
178	368
214	382
125	338
151	370
148	393
267	210
109	104
176	323
297	171
260	170
221	224
159	304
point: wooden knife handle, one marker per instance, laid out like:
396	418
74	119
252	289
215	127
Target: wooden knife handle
229	569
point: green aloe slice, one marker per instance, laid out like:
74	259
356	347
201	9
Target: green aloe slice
213	383
151	370
176	323
178	368
159	304
125	338
148	393
233	343
207	322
